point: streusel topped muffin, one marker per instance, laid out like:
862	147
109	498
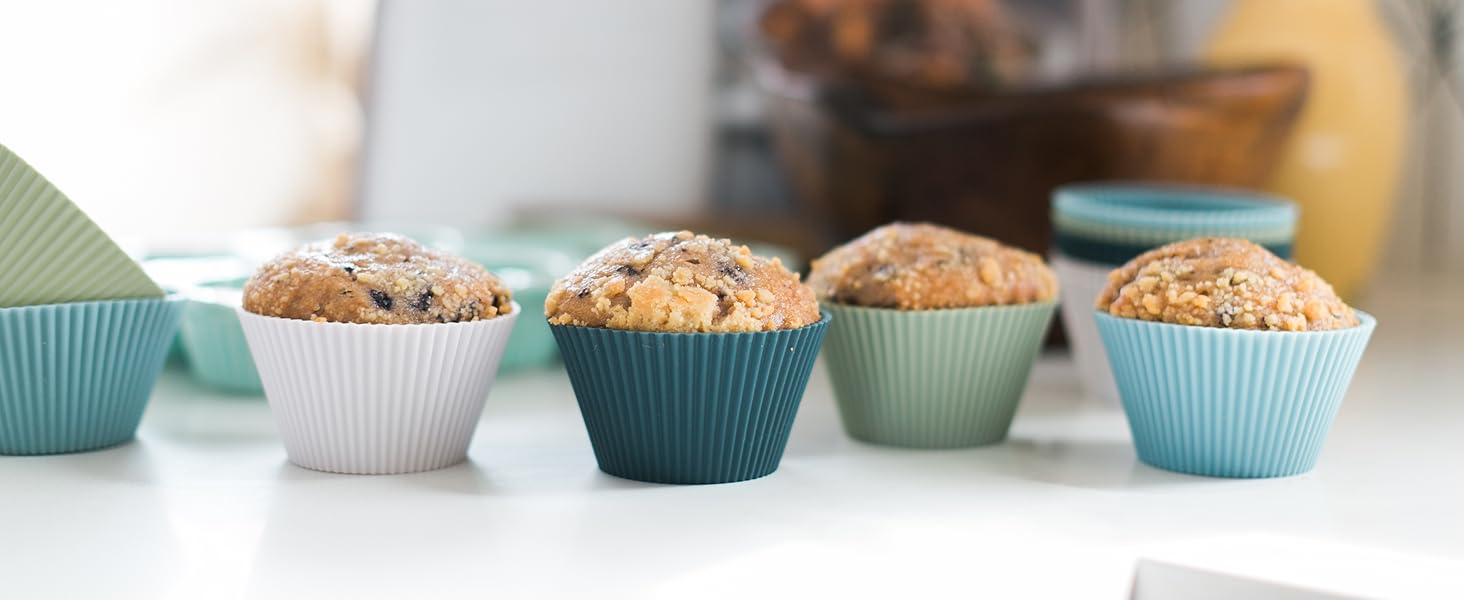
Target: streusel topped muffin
375	278
919	266
681	282
1223	282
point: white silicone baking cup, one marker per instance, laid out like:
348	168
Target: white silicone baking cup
1082	282
376	399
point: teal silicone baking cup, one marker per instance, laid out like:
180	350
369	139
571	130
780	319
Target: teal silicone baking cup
218	354
77	376
689	408
1111	223
1230	403
943	378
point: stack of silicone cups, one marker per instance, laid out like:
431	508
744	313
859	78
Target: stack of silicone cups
83	330
1098	227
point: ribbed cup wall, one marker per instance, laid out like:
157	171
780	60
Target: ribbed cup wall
77	376
933	378
218	354
689	408
376	399
1230	403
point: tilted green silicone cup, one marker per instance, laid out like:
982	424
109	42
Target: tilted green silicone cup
77	376
944	378
689	408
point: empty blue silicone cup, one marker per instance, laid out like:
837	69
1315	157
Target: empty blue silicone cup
1227	402
77	376
689	407
218	355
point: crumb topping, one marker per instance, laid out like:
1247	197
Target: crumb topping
1223	282
681	282
919	266
375	278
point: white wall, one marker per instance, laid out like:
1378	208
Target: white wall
479	108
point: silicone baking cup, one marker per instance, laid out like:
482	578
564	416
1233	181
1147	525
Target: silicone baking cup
376	399
53	252
218	354
1230	403
77	376
933	378
1098	227
689	408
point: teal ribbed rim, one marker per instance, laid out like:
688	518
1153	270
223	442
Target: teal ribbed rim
1157	214
1115	253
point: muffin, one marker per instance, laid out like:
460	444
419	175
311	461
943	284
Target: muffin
1230	361
688	355
919	266
1097	227
1223	282
681	282
375	352
375	278
934	335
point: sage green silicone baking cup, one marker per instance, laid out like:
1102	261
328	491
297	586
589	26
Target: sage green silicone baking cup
945	378
77	376
52	252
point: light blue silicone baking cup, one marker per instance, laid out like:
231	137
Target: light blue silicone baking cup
1230	403
218	354
77	376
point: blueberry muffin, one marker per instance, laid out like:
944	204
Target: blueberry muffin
919	266
1223	282
375	278
681	282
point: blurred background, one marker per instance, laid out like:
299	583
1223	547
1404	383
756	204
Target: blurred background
184	127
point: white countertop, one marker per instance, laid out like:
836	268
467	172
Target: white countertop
204	504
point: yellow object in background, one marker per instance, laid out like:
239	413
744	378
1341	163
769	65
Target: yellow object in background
1343	159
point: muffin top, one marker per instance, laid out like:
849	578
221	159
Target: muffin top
1223	282
375	278
919	266
680	282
